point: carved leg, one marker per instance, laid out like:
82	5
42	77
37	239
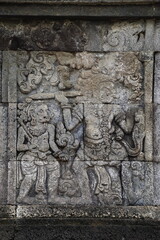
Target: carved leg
116	189
53	172
25	187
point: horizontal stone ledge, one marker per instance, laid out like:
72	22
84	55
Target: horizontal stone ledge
89	2
133	213
79	11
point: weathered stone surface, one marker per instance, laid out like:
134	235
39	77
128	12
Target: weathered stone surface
157	79
156	183
79	116
12	128
3	154
97	77
156	108
7	212
81	1
102	231
69	35
0	77
156	132
12	180
124	36
3	132
136	213
104	124
157	35
3	182
78	121
150	10
9	76
137	182
77	35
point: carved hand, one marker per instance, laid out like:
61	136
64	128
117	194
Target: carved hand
31	146
62	157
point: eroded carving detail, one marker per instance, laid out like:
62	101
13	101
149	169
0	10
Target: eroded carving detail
125	36
60	36
137	180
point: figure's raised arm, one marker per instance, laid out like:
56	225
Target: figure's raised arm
72	117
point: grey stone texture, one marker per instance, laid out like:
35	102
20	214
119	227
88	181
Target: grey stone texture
78	35
79	123
81	1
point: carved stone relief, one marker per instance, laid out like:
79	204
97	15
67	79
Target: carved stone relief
49	138
98	78
125	36
113	134
137	182
81	125
67	35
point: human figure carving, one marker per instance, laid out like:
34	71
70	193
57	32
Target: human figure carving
38	155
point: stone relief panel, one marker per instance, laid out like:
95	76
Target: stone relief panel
99	78
118	132
113	134
80	119
49	139
74	35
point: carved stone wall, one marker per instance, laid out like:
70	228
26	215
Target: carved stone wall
79	128
79	125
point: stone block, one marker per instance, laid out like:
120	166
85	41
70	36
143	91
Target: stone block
11	182
9	77
157	35
12	130
0	76
8	175
124	36
137	183
8	211
157	79
3	132
117	132
3	182
156	132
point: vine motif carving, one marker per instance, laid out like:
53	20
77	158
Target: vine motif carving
36	69
125	36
